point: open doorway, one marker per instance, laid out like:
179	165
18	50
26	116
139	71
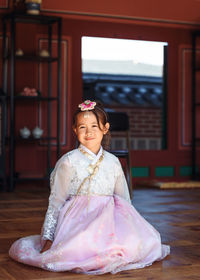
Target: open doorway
129	75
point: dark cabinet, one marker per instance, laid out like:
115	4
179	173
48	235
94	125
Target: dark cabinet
11	61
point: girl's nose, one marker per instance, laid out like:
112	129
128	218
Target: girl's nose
88	131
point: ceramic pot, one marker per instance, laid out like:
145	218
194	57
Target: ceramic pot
33	8
37	132
25	132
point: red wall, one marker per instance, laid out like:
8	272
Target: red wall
176	37
145	20
179	11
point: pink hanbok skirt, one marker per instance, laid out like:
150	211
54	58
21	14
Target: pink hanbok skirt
105	235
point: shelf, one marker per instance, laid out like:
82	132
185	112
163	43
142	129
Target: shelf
26	18
31	139
35	139
32	98
34	58
14	99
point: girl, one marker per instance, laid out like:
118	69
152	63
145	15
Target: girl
90	225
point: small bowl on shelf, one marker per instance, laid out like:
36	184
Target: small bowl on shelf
19	52
44	53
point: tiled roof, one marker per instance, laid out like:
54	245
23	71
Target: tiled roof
123	90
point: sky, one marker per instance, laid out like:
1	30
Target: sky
122	49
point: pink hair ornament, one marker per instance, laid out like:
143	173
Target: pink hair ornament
87	105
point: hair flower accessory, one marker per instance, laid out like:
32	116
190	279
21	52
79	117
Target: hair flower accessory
87	105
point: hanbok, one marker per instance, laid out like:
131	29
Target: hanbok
90	220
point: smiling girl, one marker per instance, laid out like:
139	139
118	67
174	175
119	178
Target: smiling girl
90	226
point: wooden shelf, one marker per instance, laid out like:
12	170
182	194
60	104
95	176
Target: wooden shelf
35	139
13	97
36	58
33	98
31	139
27	18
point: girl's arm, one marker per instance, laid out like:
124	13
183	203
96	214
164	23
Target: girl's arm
59	182
121	187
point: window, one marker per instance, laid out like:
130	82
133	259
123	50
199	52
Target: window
129	75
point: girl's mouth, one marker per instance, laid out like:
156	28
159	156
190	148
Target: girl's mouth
89	138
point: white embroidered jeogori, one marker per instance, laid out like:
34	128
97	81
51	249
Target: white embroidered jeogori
68	175
92	169
91	156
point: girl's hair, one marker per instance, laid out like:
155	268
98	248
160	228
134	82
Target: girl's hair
100	115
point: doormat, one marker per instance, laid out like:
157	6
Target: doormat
169	185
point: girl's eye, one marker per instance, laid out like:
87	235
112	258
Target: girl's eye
82	127
95	125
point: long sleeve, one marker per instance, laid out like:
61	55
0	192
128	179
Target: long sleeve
59	183
121	187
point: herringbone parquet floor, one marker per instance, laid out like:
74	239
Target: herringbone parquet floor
175	213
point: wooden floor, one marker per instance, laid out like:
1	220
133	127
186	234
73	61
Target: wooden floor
175	213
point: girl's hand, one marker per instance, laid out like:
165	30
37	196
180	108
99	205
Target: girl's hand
46	246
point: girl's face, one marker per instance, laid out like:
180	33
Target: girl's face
88	132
